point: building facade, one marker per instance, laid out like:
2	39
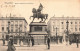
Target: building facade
60	26
12	26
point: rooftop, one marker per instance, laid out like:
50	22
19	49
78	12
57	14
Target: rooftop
63	18
13	18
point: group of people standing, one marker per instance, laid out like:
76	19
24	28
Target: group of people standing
31	42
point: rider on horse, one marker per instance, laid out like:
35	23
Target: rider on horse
37	13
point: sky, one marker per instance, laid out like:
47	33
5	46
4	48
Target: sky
23	8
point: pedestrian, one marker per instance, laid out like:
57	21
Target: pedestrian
13	48
48	42
11	41
3	41
28	42
9	45
77	41
32	41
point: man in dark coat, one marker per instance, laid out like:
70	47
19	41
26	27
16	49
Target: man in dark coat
9	45
77	41
3	41
32	41
48	42
28	42
11	41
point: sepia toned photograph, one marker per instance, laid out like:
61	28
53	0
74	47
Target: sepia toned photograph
39	25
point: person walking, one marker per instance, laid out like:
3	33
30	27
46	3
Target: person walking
3	41
32	41
28	42
48	42
11	47
77	41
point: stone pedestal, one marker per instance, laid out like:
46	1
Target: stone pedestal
38	32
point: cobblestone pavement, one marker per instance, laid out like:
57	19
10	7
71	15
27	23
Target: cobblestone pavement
53	47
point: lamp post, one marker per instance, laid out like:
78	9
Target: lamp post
56	35
67	27
8	29
67	31
19	37
3	36
8	26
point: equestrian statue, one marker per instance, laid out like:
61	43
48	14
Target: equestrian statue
37	14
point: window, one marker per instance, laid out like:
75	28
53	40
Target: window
2	28
20	25
71	22
6	28
16	22
20	22
79	29
62	27
45	29
75	29
12	22
38	28
53	28
11	29
16	28
62	22
75	22
79	22
71	28
53	22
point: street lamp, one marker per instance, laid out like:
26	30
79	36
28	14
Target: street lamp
67	27
3	38
56	35
56	32
67	31
8	27
19	37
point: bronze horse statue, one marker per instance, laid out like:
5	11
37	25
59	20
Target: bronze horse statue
41	16
37	14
